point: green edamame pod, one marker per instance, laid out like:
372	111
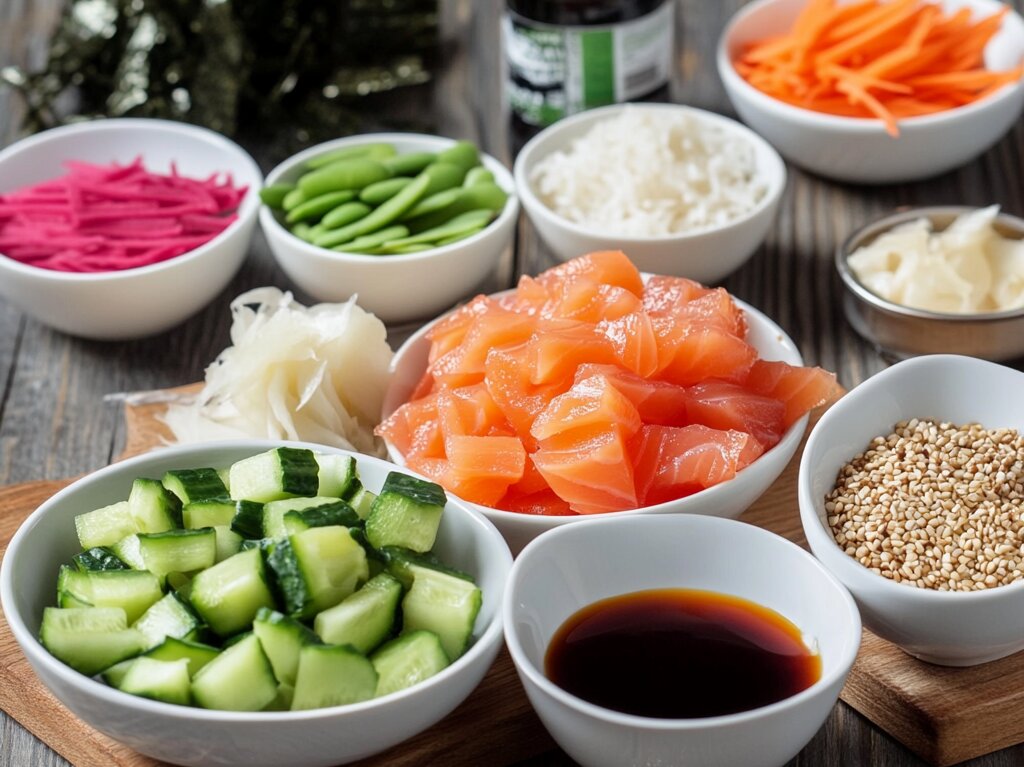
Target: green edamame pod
478	175
457	237
372	241
317	206
384	190
482	195
435	202
464	222
354	173
408	164
293	199
443	175
344	215
303	231
380	217
462	153
371	151
274	194
405	249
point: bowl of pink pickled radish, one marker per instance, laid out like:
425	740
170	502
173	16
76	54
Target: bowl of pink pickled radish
123	228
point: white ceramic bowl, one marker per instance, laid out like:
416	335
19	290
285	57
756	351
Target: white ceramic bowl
194	736
572	567
728	499
706	256
859	150
132	303
396	288
948	628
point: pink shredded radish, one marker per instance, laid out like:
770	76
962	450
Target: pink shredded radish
104	218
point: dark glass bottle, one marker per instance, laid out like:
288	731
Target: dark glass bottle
564	56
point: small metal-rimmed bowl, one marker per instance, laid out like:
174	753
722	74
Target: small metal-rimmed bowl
902	331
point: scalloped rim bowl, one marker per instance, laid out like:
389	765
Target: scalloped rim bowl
859	150
194	736
130	303
942	627
728	499
396	288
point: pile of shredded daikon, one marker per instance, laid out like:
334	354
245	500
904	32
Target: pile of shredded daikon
315	375
967	268
649	172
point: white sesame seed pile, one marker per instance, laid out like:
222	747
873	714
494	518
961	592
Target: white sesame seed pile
935	505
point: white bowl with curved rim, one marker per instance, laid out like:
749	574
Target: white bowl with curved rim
573	567
728	499
859	149
706	255
200	737
129	303
396	288
943	627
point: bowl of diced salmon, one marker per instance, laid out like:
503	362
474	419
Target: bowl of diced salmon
595	389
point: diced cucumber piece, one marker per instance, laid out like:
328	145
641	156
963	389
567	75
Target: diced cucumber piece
399	561
444	604
407	513
105	526
168	617
98	558
191	485
248	519
337	513
363	619
165	680
116	673
154	508
282	638
283	701
408	660
317	568
228	595
178	551
89	639
67	599
336	473
284	472
128	551
196	653
362	501
263	544
211	513
273	513
239	679
134	591
331	675
225	476
228	542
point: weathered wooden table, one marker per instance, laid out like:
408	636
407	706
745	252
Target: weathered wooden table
54	421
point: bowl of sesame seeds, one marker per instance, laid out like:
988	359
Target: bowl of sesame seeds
911	493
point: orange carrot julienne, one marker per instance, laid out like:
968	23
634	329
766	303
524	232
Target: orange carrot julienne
879	59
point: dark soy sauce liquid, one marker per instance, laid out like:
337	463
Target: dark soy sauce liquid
680	654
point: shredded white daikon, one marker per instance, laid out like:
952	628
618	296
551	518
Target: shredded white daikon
648	172
315	375
967	268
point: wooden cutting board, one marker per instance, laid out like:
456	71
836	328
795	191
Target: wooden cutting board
935	711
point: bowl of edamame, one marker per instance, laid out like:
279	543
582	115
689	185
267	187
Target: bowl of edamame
407	222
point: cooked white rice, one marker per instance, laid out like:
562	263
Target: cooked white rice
651	172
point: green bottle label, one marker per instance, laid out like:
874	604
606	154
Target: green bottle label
554	71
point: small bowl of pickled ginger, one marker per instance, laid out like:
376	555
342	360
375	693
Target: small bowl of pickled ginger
937	280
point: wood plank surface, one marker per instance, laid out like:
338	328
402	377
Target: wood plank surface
54	422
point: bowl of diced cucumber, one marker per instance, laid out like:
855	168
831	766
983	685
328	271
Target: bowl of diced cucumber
408	222
256	603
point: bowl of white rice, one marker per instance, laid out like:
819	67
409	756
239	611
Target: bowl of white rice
684	191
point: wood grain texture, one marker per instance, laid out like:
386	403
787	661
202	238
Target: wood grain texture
54	422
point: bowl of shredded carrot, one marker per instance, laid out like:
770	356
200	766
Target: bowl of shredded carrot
123	228
876	91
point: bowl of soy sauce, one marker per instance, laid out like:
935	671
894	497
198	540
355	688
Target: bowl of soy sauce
678	640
